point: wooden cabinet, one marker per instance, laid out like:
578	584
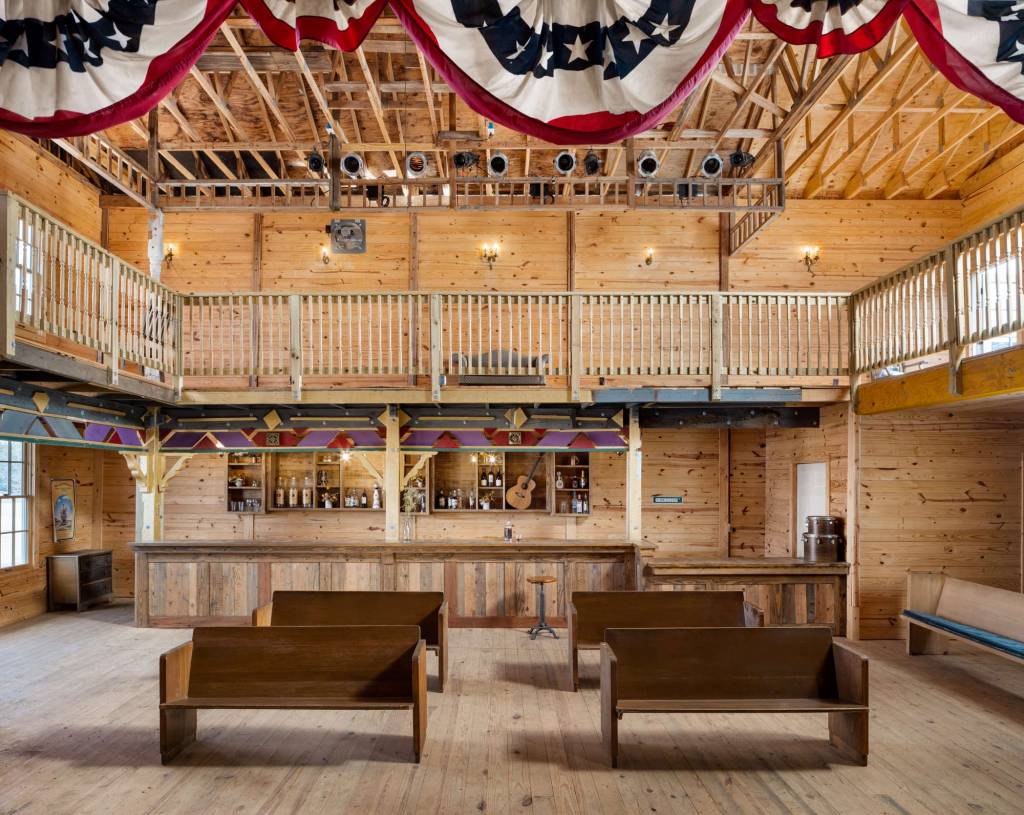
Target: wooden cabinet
571	479
79	579
332	481
246	483
477	482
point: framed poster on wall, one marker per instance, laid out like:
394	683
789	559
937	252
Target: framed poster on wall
62	498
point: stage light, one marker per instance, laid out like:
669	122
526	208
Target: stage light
465	159
592	163
565	162
685	191
711	166
740	160
497	165
315	162
415	164
542	192
352	165
647	164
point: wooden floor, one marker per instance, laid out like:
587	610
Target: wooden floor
78	733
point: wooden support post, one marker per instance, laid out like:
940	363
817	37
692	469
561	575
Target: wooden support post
634	479
724	491
717	343
153	157
256	308
155	243
576	348
414	285
852	526
955	325
435	347
8	263
392	473
334	171
152	470
295	342
114	309
570	250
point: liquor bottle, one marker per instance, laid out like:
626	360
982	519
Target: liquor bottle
575	482
483	478
585	508
307	492
508	531
559	483
279	493
376	496
440	499
497	479
363	501
293	492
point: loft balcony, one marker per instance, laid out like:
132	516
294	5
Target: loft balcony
77	310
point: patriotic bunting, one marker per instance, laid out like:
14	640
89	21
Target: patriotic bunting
571	72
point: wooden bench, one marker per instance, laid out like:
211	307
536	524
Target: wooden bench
427	609
372	667
941	607
591	612
735	670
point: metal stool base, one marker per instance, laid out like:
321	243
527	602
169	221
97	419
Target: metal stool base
540	628
542	624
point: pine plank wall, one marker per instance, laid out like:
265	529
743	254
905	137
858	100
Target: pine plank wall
931	491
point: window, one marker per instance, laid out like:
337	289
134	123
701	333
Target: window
15	490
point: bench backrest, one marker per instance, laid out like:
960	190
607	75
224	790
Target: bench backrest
352	662
599	610
996	610
360	608
724	663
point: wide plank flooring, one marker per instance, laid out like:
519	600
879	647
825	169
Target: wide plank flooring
78	734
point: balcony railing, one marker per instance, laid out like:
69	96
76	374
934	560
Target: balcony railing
70	296
952	301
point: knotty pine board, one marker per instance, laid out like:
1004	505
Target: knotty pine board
747	453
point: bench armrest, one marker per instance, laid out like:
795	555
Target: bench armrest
261	615
753	617
851	673
175	667
923	590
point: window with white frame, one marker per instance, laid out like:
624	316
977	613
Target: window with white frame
15	492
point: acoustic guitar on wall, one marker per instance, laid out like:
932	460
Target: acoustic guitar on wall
520	495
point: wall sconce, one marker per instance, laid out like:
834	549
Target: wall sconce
489	253
648	256
325	254
345	455
811	257
169	254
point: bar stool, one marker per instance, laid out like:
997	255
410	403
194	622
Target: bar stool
542	624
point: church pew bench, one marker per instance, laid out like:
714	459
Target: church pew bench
735	670
591	612
940	608
292	668
427	609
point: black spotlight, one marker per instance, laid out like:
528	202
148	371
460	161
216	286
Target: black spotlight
740	160
315	162
352	165
375	192
415	164
542	192
647	164
565	162
685	191
592	163
465	160
498	165
711	166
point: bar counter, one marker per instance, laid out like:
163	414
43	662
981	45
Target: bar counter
181	583
788	590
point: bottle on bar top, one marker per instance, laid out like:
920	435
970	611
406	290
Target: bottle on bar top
376	496
508	531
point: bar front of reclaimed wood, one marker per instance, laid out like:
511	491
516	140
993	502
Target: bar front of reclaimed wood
789	591
190	583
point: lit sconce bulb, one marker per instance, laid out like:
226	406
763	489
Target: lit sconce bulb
170	250
489	252
473	458
325	254
811	257
492	459
345	455
649	256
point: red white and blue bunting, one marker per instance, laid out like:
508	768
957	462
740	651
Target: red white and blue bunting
576	72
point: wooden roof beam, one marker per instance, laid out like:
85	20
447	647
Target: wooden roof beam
318	95
257	83
375	103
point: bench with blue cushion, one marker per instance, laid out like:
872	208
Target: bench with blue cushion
940	608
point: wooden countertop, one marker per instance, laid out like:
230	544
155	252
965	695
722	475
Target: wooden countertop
682	565
533	546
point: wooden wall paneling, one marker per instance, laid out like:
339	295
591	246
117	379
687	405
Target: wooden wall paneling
420	575
487	590
234	588
352	575
303	576
118	514
32	173
176	590
610	251
859	241
532	259
597	576
936	491
747	492
994	191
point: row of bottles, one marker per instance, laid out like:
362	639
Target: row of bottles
578	504
577	482
490	478
470	499
290	496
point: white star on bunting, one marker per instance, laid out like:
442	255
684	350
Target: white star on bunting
635	36
578	49
663	29
520	47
